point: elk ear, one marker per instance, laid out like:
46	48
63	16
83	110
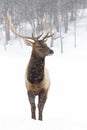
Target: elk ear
29	43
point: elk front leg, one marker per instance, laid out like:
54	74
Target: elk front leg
41	103
32	103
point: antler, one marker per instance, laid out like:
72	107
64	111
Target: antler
9	23
49	32
27	38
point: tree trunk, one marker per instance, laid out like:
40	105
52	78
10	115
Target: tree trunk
51	44
75	32
61	42
66	22
7	36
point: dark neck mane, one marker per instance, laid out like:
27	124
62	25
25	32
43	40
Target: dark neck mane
35	69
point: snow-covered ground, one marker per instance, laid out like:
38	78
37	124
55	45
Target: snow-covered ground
66	107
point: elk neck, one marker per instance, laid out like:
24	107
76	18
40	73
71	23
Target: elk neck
36	68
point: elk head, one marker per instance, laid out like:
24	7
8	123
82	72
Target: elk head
38	43
40	47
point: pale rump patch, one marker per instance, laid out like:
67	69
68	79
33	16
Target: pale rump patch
39	86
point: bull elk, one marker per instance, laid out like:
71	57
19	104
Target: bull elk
36	78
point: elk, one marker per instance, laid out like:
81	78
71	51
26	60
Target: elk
37	79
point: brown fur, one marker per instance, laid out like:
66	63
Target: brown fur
39	86
37	78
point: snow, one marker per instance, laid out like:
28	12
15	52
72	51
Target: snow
66	106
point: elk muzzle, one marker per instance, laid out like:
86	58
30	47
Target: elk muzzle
51	52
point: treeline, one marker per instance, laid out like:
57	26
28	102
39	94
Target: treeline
23	11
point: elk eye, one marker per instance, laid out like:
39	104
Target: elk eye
38	46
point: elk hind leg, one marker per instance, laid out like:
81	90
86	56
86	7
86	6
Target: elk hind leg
32	103
41	102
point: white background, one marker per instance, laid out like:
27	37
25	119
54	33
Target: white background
66	106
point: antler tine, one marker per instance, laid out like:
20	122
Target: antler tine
40	35
44	23
28	42
48	34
